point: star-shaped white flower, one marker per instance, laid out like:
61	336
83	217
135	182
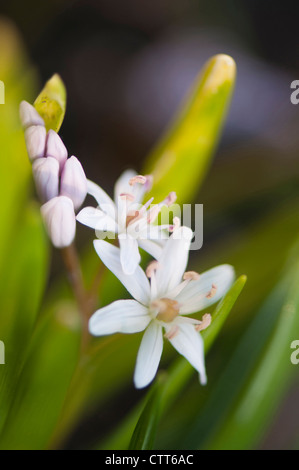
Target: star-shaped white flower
126	217
162	304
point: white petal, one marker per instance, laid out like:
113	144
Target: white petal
189	343
174	259
154	232
104	201
122	184
29	116
129	253
137	284
55	148
122	316
149	355
193	296
122	205
73	182
96	219
60	221
35	138
151	247
46	176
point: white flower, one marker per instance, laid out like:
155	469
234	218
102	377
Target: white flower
162	304
126	217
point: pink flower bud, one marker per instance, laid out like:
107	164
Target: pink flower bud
60	220
35	138
55	148
46	176
73	182
29	116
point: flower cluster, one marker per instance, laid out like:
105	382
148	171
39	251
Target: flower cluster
126	217
163	295
60	181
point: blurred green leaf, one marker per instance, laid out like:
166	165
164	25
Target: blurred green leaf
49	365
51	103
180	160
259	399
246	394
15	175
22	284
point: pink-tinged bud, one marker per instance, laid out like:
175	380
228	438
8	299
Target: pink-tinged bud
29	116
46	176
35	138
55	148
60	220
73	182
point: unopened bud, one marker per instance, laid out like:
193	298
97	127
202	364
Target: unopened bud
35	138
55	148
60	220
46	176
73	182
29	116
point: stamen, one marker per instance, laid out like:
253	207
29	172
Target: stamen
172	333
176	224
212	292
191	276
152	267
146	205
137	179
132	216
127	196
168	309
206	321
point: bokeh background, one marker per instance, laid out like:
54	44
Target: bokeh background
126	66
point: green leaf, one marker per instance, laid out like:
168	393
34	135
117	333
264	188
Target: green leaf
22	284
143	437
180	160
49	365
51	103
222	311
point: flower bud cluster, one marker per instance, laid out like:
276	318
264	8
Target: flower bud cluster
60	180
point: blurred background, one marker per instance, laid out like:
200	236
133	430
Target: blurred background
127	65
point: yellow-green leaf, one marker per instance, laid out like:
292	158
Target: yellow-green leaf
41	390
180	160
51	103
